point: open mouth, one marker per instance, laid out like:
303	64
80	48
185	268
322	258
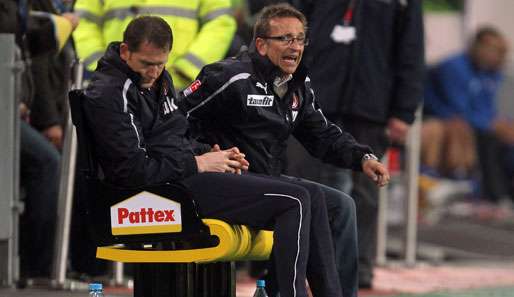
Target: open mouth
290	59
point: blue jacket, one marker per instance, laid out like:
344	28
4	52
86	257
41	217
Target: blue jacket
456	87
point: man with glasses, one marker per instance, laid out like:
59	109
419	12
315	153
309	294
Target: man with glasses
261	97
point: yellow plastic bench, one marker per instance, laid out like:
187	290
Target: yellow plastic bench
203	269
235	243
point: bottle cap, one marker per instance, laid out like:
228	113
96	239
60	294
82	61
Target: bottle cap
261	283
95	287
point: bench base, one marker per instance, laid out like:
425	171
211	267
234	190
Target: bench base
185	280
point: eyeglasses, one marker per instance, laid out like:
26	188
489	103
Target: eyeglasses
289	39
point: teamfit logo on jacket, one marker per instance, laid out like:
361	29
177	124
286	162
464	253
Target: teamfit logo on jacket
259	100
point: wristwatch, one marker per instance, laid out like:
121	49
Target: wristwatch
367	157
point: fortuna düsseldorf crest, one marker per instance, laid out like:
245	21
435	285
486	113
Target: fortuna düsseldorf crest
296	102
295	105
145	213
192	87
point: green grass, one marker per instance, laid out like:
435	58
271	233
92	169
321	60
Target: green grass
442	5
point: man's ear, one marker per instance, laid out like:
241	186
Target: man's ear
124	52
261	45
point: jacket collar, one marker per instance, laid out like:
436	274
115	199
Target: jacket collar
112	58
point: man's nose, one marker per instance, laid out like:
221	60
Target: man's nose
153	71
296	45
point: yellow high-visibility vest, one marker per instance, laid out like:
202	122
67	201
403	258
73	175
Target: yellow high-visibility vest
202	30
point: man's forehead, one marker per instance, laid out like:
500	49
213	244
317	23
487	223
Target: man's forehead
148	46
150	49
286	25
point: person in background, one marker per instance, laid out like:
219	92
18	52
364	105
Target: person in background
366	65
203	30
36	35
256	100
53	73
463	130
243	35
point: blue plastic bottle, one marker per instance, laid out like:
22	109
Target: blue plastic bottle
96	290
260	291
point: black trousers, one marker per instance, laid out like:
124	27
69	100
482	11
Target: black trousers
365	194
39	173
363	190
296	213
492	153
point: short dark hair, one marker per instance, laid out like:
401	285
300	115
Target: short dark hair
149	29
281	10
485	31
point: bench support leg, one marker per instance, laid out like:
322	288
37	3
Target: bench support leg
163	280
216	280
185	280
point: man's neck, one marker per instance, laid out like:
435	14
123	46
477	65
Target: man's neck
147	86
280	84
280	80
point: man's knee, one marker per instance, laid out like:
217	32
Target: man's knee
340	204
297	196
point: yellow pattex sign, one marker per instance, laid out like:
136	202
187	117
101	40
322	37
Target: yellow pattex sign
145	213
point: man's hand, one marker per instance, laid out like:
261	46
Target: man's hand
24	112
397	130
230	160
376	171
239	157
236	156
54	135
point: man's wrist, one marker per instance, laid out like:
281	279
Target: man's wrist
199	164
368	156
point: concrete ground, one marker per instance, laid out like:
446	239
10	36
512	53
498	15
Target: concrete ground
459	257
478	279
471	279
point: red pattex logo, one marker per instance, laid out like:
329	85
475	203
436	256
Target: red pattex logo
192	88
145	213
125	216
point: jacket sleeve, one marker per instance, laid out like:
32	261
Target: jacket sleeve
200	100
88	36
40	36
325	140
45	110
212	41
409	61
200	148
119	143
206	104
